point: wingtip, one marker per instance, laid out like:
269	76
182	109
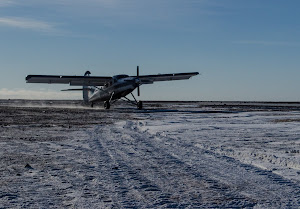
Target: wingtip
27	77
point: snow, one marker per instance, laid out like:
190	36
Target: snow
179	156
268	140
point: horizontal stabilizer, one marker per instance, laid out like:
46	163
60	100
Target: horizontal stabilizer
72	90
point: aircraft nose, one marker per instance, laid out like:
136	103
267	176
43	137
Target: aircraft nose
137	81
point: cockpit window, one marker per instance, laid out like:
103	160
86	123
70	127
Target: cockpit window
117	77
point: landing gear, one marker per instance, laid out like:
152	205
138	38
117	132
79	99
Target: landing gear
92	105
106	105
140	105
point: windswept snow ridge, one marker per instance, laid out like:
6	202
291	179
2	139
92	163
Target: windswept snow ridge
188	157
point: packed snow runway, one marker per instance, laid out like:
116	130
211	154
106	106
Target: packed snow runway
178	155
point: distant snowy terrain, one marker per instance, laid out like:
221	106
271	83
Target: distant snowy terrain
174	155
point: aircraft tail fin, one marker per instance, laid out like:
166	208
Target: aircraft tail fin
86	89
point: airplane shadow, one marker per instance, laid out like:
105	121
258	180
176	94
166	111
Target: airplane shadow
174	111
183	111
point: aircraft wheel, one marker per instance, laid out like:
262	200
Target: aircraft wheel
140	105
106	105
92	104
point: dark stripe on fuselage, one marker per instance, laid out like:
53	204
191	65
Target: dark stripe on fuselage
123	84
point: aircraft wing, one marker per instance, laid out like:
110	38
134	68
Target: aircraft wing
72	80
145	79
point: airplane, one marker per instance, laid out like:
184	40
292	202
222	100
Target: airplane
105	88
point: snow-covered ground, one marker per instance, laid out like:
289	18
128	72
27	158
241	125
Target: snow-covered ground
268	140
176	155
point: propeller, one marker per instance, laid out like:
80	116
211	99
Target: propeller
138	77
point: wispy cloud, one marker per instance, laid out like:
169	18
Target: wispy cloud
268	43
105	3
26	23
5	3
107	13
66	3
39	26
37	94
129	10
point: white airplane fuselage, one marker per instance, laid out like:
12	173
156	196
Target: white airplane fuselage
117	88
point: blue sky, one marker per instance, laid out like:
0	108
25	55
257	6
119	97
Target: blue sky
244	49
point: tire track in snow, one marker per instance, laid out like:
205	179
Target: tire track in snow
161	178
263	186
120	192
179	174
